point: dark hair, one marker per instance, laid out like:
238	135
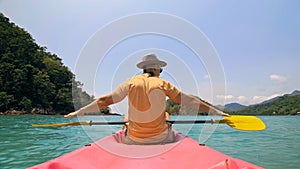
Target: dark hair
150	71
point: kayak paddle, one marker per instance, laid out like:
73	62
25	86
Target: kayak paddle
251	123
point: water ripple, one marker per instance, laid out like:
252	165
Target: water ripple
23	146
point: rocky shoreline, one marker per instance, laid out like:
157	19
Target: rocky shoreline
32	112
48	112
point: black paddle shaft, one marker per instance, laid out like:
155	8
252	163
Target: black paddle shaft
171	121
190	121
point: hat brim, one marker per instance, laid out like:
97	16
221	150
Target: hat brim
142	64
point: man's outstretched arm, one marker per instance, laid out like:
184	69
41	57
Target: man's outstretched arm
95	106
197	104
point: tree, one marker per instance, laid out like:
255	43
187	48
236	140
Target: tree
5	100
31	78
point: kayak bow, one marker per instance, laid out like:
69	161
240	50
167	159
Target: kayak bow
110	152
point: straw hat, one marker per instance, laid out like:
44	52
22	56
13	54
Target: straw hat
150	59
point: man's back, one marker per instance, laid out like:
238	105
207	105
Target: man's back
146	99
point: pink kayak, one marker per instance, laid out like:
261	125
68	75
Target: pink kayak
110	153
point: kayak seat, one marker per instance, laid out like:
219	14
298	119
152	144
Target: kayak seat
119	136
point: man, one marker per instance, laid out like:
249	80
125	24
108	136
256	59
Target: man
147	104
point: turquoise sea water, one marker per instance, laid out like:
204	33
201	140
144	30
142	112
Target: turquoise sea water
22	145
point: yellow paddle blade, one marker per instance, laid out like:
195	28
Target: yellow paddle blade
62	124
244	122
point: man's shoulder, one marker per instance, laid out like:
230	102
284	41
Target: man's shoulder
147	76
137	78
144	75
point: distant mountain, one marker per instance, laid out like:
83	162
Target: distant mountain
294	93
270	100
234	106
288	104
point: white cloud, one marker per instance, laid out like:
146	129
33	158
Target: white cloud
277	78
225	97
259	99
244	99
241	99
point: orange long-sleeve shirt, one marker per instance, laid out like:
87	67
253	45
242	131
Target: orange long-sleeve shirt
147	104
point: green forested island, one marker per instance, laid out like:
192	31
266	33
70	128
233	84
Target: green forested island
34	81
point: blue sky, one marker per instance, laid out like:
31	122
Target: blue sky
256	43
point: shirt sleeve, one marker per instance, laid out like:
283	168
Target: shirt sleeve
121	92
171	90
